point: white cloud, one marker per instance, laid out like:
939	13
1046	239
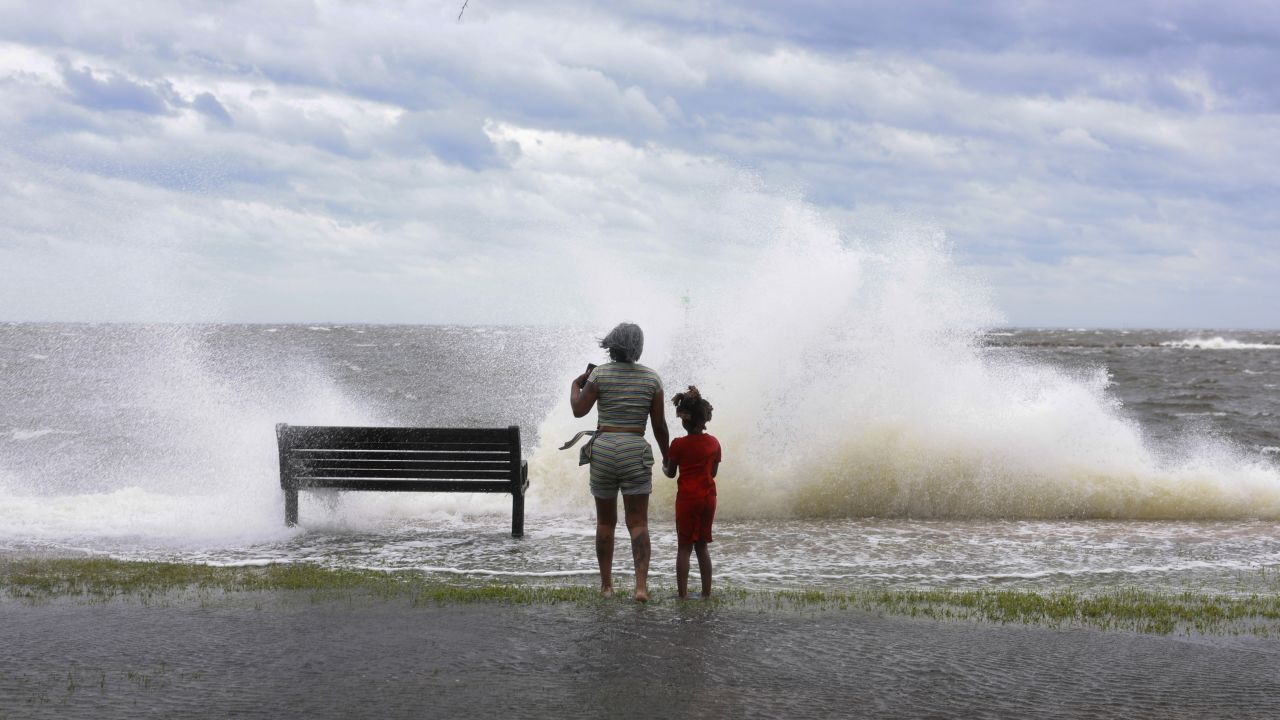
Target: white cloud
368	151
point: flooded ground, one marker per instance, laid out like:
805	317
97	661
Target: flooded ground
274	655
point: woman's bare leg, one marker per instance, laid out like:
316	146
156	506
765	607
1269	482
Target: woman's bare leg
606	521
682	569
636	508
704	567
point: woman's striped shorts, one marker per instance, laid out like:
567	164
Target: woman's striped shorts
621	461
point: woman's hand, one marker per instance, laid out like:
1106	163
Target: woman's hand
668	468
582	396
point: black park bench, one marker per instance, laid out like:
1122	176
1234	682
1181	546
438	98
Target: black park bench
485	460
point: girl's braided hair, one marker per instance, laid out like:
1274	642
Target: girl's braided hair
690	405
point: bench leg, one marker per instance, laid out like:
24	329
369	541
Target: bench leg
517	515
290	507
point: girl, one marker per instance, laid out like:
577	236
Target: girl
698	457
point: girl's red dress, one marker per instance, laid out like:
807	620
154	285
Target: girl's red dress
696	497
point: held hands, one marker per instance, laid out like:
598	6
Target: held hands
668	468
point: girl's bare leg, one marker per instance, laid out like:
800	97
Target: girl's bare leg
704	566
636	508
606	521
682	569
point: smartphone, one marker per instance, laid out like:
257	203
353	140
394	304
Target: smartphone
590	367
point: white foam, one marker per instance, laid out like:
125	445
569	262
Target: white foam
1217	343
23	435
484	572
242	515
135	513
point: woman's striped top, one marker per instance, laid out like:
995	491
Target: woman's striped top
624	393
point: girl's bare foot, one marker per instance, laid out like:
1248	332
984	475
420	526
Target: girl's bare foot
642	595
606	591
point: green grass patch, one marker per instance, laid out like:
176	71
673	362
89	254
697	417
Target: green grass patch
102	580
1129	609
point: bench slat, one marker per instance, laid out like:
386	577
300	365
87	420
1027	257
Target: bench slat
404	485
406	446
432	455
310	436
423	474
309	465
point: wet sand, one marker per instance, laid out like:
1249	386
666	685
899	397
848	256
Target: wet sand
273	655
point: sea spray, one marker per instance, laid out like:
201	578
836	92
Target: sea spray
850	381
174	439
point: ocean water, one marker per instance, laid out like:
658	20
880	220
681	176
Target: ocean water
900	449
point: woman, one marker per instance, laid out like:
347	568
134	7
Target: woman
621	461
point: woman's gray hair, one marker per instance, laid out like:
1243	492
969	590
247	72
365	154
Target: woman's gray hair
625	342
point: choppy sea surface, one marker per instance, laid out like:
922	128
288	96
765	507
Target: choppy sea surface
1013	458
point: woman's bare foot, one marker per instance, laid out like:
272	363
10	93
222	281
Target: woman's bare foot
606	591
642	595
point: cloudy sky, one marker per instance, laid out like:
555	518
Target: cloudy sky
1088	163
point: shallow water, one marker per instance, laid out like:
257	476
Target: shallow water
1218	557
273	656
